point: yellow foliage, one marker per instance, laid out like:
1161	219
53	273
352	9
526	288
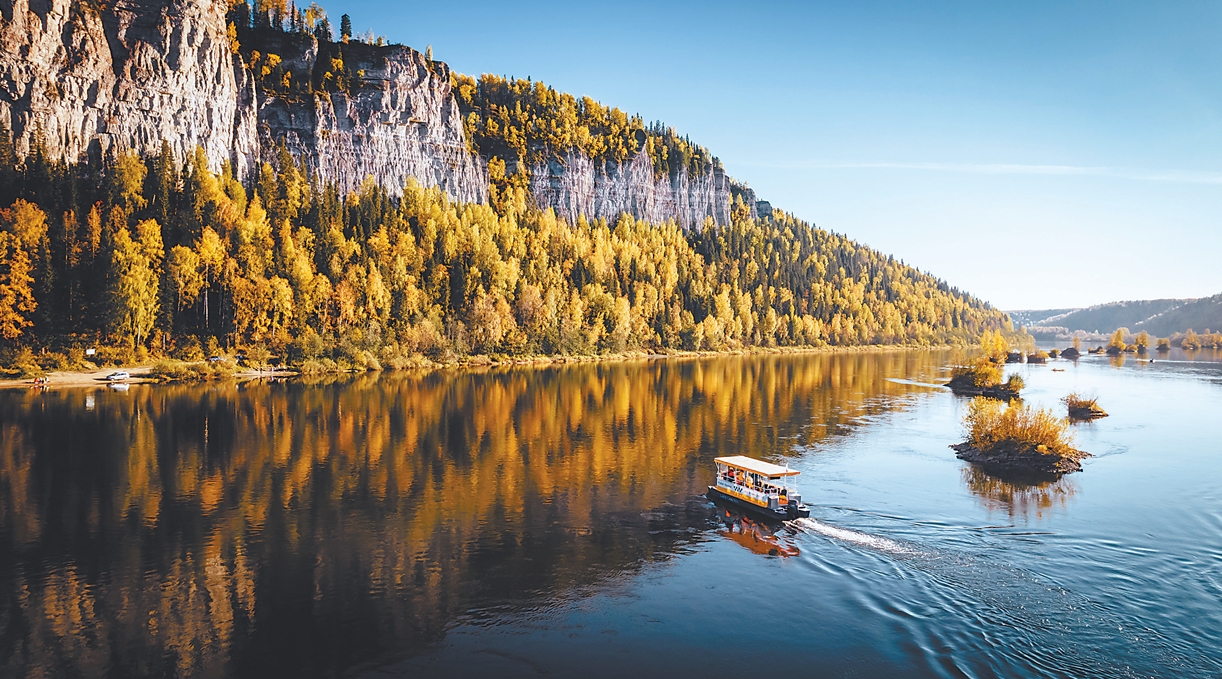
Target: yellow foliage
990	423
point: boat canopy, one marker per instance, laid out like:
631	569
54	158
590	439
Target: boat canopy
753	465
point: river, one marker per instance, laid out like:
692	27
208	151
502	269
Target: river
551	521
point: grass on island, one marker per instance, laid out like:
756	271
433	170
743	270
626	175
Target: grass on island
984	376
992	425
1082	408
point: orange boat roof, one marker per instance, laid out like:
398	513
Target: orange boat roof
758	466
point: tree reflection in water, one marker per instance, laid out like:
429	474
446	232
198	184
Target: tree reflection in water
1021	498
299	528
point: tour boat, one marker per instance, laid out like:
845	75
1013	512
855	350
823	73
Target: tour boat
758	487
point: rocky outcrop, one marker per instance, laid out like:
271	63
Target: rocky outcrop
127	76
575	185
397	120
91	77
1012	457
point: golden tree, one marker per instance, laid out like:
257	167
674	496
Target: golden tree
136	264
185	274
16	291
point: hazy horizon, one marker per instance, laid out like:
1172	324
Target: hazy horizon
1072	147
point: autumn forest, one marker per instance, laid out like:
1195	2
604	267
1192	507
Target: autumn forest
149	257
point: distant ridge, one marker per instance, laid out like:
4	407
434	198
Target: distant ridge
1160	317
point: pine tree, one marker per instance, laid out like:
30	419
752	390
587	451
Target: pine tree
323	30
345	28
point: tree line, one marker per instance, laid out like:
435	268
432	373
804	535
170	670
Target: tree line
516	124
146	254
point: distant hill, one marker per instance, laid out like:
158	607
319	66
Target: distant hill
1159	317
1029	317
1198	314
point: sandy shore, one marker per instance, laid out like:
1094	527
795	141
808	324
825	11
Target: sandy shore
93	378
97	378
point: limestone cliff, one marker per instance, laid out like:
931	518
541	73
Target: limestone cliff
127	76
576	186
396	119
91	77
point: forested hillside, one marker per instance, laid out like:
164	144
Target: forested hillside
153	257
518	123
156	255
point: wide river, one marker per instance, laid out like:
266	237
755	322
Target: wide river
551	521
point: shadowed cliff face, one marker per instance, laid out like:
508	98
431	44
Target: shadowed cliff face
93	78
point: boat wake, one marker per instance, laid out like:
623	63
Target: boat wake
851	536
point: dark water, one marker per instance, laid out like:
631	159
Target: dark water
550	522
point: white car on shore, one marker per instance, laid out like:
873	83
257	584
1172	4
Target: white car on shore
118	376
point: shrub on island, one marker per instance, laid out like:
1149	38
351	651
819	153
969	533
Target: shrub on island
1083	408
983	378
1018	439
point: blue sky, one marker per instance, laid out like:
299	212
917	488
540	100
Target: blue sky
1035	154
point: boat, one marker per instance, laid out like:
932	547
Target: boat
758	487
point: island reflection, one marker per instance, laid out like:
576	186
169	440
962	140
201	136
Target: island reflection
304	527
1022	499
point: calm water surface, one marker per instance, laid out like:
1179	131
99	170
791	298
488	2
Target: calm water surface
551	521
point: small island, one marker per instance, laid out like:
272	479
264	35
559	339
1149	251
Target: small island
1018	439
1083	408
983	378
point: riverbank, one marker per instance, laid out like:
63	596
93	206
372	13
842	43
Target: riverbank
143	374
139	374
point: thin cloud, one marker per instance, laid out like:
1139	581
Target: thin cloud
1176	176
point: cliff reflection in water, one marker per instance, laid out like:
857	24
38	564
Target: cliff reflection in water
301	528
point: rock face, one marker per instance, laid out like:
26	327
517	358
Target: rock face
93	77
575	186
90	79
128	76
399	120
